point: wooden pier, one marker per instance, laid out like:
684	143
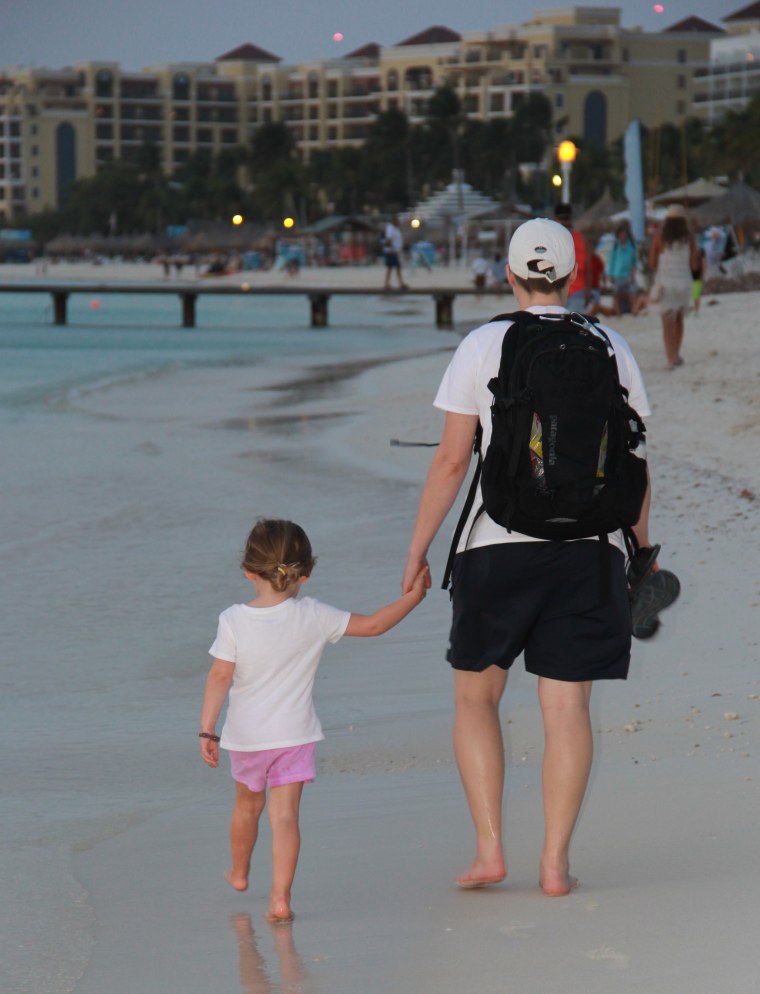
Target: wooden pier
188	293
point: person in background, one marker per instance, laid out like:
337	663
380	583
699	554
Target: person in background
697	276
621	270
393	246
672	257
579	296
480	271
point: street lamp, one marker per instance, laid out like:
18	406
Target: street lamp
237	219
566	154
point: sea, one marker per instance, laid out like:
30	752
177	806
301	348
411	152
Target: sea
135	457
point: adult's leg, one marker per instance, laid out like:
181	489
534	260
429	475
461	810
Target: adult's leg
568	752
479	751
677	337
284	804
668	338
244	829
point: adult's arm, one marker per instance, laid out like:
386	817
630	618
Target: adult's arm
641	528
447	470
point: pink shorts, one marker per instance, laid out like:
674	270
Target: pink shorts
275	767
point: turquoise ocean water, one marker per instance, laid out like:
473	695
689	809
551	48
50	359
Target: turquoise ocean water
135	455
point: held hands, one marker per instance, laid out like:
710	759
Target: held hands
415	568
420	584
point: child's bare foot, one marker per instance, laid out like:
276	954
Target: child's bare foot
236	880
482	873
555	881
280	912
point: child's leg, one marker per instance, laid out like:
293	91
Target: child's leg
244	827
284	803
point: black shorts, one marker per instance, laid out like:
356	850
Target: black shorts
550	600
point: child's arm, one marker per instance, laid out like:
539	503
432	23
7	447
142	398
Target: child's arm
386	617
218	684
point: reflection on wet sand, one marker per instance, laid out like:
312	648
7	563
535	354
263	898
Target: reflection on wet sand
256	977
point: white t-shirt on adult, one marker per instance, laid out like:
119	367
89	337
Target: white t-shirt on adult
276	651
393	237
464	390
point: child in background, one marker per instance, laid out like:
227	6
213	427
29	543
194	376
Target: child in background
266	654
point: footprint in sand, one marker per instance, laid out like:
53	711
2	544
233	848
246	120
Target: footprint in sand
611	958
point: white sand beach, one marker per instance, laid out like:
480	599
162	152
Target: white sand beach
665	848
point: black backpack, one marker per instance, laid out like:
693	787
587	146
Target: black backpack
565	456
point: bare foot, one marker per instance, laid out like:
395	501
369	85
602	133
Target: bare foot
238	882
482	873
279	912
556	881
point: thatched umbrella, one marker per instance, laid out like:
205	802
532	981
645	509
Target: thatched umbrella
739	207
696	192
599	215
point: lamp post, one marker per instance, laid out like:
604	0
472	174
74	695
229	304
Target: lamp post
566	154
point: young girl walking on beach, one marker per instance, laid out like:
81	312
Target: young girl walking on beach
266	654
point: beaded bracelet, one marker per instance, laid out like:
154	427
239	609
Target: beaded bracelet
208	735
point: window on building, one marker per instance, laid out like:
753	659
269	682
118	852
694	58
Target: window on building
682	55
496	103
681	82
332	88
181	86
204	136
181	133
392	83
229	136
104	131
266	88
595	117
313	85
680	107
104	84
559	100
625	55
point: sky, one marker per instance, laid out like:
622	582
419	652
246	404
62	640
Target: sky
140	33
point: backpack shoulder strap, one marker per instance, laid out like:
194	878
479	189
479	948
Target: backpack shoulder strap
469	501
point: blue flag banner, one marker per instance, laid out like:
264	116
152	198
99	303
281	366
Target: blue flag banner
634	183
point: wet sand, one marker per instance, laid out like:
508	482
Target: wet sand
665	846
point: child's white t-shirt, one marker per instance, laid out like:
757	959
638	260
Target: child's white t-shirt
276	651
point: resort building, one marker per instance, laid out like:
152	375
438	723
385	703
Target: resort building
59	125
732	77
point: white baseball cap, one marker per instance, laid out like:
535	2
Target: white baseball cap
541	248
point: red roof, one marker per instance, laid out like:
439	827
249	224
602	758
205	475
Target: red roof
749	13
369	51
695	24
436	35
248	53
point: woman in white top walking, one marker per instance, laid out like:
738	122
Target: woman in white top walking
266	654
672	257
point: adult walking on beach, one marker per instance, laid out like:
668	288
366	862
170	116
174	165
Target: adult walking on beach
393	246
672	257
512	593
621	269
